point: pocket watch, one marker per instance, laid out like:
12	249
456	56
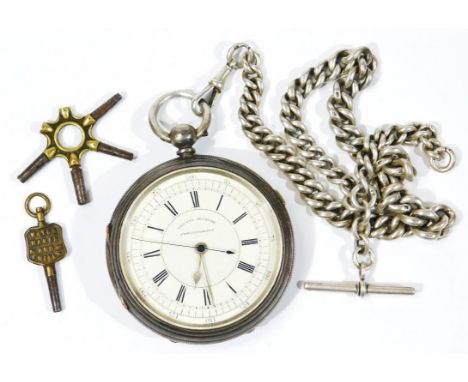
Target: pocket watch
200	248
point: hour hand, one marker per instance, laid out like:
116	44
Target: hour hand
196	277
197	273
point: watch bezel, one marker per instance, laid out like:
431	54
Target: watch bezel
175	333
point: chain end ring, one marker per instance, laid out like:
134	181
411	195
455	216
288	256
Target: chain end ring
45	209
363	258
235	55
446	160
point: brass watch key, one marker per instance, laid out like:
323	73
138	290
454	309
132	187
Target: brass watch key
72	154
45	245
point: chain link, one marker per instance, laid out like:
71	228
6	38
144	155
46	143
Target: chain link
374	201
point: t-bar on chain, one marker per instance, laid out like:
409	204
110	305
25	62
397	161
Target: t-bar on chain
374	202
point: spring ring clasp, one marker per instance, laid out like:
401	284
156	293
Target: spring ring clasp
234	61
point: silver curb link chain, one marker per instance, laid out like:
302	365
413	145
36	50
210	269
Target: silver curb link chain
374	202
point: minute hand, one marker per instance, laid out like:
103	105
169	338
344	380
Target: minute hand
221	250
184	246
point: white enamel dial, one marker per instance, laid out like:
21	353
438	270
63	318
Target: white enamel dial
200	248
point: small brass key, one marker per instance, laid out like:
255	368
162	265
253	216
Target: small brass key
45	245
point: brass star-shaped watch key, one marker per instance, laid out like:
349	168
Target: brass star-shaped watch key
55	148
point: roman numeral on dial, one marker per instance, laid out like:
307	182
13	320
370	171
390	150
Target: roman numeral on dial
238	219
181	294
171	208
206	297
160	277
246	267
195	200
249	242
152	253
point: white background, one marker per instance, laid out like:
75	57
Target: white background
87	57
